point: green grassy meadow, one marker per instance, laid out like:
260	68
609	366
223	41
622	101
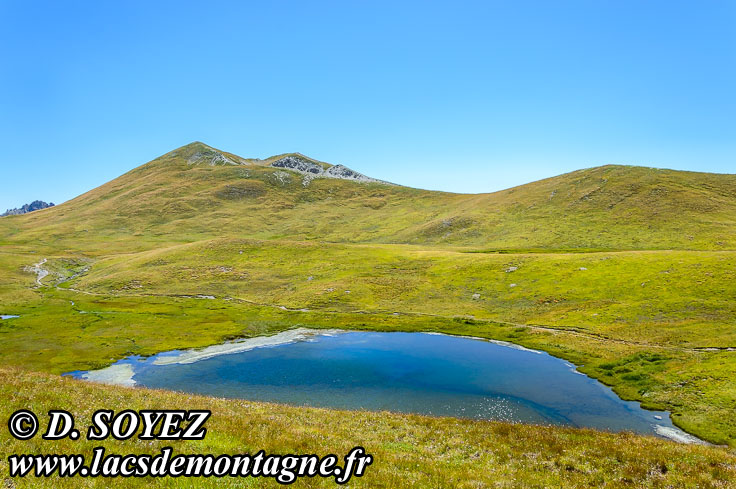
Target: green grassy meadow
628	272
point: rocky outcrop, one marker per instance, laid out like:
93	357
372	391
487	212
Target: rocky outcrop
211	157
313	170
301	165
339	171
199	153
33	206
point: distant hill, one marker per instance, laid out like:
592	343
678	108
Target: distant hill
33	206
198	192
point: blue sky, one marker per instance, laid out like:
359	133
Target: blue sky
457	96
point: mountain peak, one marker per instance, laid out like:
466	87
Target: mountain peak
196	153
26	208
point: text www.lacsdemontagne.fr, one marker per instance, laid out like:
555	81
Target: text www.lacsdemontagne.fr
285	469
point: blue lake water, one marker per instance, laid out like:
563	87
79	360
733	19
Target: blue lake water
406	372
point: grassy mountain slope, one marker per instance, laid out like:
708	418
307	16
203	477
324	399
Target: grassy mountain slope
182	197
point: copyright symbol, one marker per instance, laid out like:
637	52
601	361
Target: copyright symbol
23	424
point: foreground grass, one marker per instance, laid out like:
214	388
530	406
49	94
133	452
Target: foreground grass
408	450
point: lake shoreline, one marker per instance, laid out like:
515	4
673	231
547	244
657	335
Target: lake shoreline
122	372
